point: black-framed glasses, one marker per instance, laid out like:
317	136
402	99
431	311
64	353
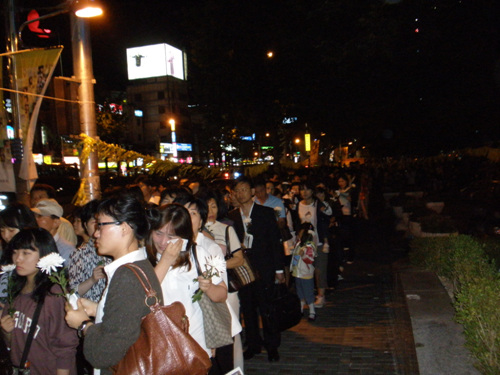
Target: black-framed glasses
99	225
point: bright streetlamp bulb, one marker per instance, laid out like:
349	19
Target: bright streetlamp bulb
88	12
270	54
172	124
297	140
87	8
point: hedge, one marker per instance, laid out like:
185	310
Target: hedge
468	264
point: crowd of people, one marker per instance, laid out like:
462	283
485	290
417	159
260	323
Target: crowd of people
297	230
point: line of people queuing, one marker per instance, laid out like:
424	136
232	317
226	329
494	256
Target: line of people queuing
298	232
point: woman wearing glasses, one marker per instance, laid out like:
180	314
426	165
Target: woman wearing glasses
120	228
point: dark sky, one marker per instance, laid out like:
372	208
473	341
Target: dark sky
348	68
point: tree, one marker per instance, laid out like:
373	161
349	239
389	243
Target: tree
111	124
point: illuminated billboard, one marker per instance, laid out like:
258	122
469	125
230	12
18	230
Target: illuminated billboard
168	148
156	60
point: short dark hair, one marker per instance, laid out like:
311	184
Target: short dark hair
87	212
51	192
17	215
259	182
201	206
126	208
244	180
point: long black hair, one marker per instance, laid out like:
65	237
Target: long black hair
36	239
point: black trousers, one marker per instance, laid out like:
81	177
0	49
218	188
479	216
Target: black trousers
223	361
255	301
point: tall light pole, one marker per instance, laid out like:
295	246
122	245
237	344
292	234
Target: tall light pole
82	66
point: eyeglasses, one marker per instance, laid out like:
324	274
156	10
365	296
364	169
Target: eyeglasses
99	225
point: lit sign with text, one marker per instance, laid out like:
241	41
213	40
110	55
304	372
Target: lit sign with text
168	148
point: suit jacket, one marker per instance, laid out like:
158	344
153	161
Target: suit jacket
266	254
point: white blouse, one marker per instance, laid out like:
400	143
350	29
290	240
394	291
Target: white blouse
179	285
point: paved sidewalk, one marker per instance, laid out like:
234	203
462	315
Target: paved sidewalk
373	323
364	328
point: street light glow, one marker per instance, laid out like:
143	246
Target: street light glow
297	140
87	8
172	124
270	54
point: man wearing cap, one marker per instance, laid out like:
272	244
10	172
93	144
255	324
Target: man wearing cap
44	191
48	216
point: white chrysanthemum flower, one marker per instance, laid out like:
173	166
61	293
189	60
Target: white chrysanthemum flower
247	221
8	268
50	263
217	263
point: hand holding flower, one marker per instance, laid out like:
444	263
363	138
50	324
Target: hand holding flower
49	265
75	317
205	284
214	266
7	323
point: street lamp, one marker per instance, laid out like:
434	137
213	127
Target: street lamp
174	140
82	66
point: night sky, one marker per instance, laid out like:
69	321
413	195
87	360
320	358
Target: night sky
413	77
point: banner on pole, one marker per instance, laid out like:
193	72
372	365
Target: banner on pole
33	69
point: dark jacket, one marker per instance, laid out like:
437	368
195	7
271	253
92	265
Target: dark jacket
266	254
106	343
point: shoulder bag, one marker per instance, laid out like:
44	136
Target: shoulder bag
284	311
216	317
164	345
24	367
240	276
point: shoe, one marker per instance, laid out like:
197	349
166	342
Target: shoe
251	352
320	302
273	355
312	317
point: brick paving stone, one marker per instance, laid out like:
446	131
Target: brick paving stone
354	333
364	328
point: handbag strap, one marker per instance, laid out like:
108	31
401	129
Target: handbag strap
31	334
150	292
195	256
228	244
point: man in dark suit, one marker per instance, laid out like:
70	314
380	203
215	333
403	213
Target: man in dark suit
258	230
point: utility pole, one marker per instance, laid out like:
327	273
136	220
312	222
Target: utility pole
82	67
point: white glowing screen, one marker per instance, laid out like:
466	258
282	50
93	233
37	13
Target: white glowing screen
157	60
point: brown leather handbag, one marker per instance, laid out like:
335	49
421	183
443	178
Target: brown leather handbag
164	345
